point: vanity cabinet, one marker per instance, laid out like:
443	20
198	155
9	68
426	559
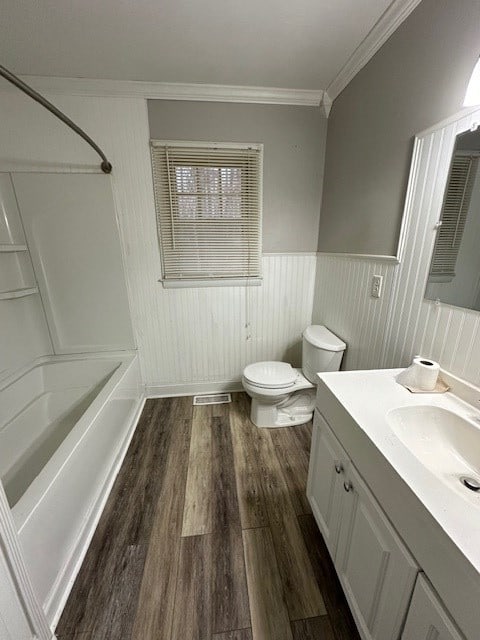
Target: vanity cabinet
427	618
328	463
376	570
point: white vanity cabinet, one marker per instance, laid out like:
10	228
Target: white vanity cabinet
325	490
427	618
376	570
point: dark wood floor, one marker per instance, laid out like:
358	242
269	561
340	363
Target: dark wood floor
208	535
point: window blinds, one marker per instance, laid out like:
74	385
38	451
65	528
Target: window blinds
454	216
208	205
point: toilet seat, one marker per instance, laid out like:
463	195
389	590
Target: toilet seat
271	375
283	396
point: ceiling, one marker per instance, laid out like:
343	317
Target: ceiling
272	43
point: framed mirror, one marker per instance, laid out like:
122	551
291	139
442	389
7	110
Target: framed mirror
454	274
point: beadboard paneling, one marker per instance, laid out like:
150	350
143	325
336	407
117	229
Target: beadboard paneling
343	303
192	337
447	334
390	331
208	335
184	337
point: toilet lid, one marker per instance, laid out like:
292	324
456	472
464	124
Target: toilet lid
271	375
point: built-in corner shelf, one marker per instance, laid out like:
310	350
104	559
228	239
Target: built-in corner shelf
18	293
11	248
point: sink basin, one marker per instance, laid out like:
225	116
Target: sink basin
444	442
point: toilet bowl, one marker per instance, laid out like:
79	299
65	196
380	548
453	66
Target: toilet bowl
284	396
281	395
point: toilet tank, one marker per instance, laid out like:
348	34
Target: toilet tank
321	351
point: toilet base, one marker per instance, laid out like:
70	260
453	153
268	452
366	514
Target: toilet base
295	410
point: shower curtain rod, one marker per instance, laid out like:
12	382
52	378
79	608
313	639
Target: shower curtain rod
8	75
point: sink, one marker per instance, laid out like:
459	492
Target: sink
444	442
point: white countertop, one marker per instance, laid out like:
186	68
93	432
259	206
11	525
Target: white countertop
367	396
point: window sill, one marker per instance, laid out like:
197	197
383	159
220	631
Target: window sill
214	282
440	279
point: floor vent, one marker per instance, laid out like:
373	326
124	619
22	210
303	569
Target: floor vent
215	398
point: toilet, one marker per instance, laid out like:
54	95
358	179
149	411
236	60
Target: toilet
283	396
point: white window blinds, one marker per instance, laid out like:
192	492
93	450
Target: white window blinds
208	204
454	216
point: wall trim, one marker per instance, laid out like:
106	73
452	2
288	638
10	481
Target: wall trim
455	117
192	388
172	91
279	254
361	256
391	19
253	281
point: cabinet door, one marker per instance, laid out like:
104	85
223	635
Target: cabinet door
427	618
375	568
325	481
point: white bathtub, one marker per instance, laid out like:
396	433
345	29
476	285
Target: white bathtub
65	425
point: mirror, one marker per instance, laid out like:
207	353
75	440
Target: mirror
454	275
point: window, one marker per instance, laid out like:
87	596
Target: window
454	216
208	205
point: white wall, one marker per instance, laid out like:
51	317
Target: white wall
412	325
418	77
209	335
23	335
447	334
213	348
184	337
69	221
343	303
23	329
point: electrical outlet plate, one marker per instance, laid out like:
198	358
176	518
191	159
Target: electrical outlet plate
377	282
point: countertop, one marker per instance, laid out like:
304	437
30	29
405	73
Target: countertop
367	396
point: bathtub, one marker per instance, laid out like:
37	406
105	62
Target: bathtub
65	426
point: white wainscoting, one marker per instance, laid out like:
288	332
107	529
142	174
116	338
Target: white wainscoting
447	334
187	339
203	338
343	303
209	345
389	331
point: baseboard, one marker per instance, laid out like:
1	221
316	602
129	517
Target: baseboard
192	388
61	590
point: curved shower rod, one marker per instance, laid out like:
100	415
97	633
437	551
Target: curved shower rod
8	75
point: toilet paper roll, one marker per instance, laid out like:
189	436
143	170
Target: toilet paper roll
422	374
426	373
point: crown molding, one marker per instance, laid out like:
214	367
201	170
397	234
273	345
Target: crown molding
326	104
172	91
391	19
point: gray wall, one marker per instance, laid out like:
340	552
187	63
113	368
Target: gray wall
294	139
416	79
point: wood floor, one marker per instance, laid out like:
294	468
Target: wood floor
208	535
